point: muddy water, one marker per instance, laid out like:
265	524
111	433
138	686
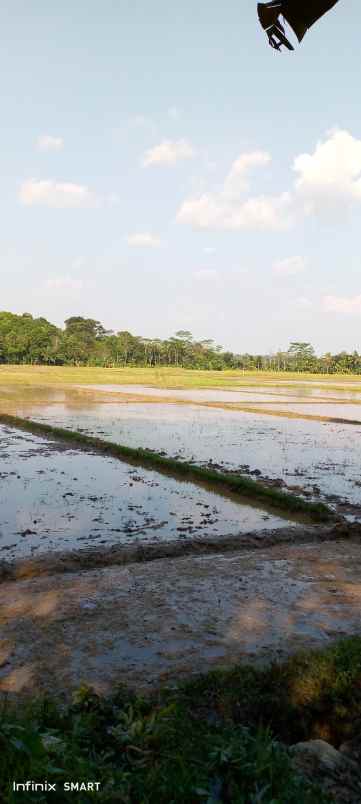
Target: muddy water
340	410
308	402
197	395
332	403
54	498
247	394
322	458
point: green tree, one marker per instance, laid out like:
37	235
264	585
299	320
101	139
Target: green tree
302	355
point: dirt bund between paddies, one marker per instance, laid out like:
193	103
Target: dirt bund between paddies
70	561
239	487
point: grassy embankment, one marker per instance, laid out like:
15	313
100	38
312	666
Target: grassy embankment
219	737
238	485
164	377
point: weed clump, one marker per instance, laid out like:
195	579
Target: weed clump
220	737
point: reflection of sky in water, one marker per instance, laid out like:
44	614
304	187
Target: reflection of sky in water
337	411
302	452
70	499
271	393
318	401
201	394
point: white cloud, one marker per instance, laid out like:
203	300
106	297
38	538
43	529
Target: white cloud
59	195
48	143
144	239
226	210
327	182
209	250
289	266
65	287
331	175
303	303
342	304
168	152
213	211
206	274
64	283
237	180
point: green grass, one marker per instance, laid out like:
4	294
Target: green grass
162	377
221	737
237	485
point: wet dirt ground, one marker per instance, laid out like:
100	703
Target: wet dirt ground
146	623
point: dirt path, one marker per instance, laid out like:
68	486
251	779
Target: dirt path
148	622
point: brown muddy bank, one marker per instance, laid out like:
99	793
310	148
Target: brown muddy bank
158	621
50	563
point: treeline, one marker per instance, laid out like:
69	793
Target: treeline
86	342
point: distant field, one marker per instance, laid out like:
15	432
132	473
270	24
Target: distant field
165	377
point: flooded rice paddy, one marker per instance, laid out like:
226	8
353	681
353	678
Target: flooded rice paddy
320	459
157	620
56	499
344	403
39	495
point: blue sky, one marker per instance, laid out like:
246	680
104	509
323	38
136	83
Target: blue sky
163	168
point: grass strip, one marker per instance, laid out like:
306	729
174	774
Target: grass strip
219	737
213	479
170	377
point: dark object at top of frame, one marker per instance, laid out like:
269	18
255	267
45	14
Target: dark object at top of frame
299	14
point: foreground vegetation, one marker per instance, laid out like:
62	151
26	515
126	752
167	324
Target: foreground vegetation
220	737
84	341
235	484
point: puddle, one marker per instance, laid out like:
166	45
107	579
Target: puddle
55	499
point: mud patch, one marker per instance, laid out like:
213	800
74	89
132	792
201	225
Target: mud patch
158	621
